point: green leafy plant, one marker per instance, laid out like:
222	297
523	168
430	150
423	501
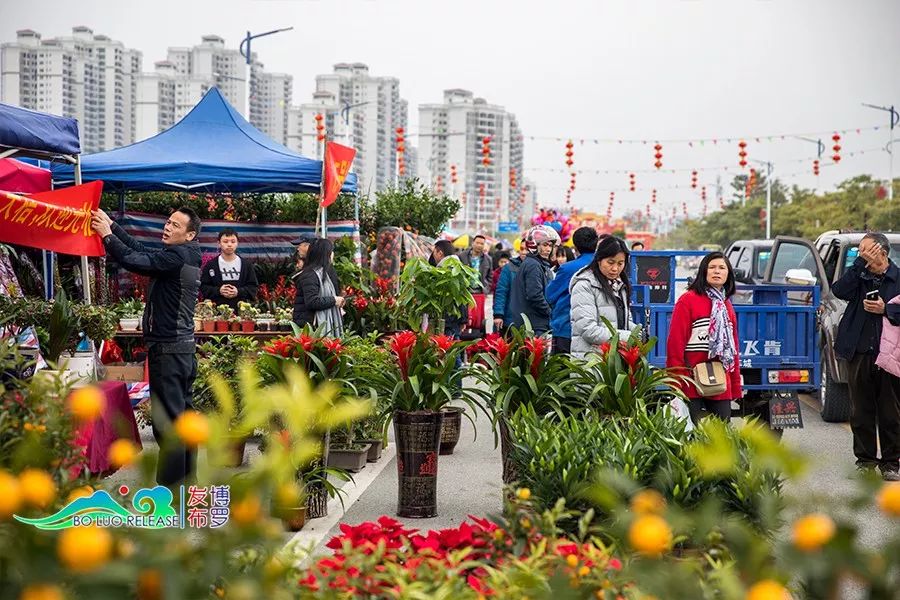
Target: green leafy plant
221	357
435	291
130	309
62	327
205	310
247	311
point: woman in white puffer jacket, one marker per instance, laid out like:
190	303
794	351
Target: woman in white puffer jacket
601	290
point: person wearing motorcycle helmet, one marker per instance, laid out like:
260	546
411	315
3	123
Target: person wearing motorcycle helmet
526	296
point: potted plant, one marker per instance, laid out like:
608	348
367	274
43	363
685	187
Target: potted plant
130	313
61	330
264	321
344	452
205	312
521	371
422	378
283	319
222	356
436	292
247	313
450	428
224	314
318	481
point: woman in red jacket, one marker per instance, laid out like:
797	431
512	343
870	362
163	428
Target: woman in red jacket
703	328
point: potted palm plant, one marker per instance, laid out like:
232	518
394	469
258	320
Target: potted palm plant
422	378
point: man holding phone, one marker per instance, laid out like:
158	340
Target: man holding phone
867	286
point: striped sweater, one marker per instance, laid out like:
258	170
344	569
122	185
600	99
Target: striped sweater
688	342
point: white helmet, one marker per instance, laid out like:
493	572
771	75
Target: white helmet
539	234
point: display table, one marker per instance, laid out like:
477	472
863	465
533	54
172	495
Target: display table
117	421
202	336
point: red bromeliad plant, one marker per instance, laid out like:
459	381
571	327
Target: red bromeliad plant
424	375
322	358
520	371
371	308
621	381
281	296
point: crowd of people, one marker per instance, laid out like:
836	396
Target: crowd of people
581	298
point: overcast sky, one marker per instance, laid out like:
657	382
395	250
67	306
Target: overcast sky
624	69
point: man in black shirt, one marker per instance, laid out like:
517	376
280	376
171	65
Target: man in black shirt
168	325
867	286
228	278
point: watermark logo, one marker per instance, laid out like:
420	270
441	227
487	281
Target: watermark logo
151	508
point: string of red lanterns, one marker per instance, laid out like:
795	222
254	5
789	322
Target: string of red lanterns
836	138
742	154
653	196
486	150
454	179
439	185
401	149
816	167
631	182
569	154
694	180
320	128
751	183
658	156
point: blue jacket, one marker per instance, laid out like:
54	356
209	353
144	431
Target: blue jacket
559	298
501	294
526	294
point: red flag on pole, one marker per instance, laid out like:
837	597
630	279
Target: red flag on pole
59	221
337	164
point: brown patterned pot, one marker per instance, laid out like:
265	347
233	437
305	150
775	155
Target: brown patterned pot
450	428
418	439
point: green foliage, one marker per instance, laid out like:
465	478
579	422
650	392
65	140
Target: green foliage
435	291
221	357
414	206
795	212
559	460
62	327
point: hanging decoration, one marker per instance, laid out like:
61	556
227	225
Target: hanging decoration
703	193
631	182
684	209
751	183
439	185
401	150
658	156
836	138
653	196
512	178
486	150
453	177
742	154
694	180
569	154
816	167
648	211
572	183
320	127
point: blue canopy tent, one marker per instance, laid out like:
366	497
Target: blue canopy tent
30	134
212	149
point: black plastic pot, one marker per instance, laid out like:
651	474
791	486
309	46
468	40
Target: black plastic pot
418	439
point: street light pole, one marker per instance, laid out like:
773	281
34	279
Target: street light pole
895	119
770	168
245	52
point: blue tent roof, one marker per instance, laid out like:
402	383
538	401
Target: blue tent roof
39	134
212	149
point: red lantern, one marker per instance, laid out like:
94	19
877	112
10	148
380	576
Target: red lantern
703	193
631	182
453	177
654	197
486	150
742	153
658	156
836	138
816	167
319	117
694	179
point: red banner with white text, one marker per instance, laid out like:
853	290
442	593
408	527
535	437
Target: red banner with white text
59	221
337	164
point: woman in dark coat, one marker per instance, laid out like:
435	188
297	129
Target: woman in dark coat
317	301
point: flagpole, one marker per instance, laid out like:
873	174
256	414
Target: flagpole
85	268
322	189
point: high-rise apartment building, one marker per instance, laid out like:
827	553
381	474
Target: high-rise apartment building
211	61
359	110
453	137
89	77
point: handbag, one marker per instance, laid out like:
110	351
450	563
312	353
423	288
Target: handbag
710	378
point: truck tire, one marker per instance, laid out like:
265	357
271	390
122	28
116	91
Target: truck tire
835	398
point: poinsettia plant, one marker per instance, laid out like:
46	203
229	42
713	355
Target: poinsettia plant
520	370
423	374
621	377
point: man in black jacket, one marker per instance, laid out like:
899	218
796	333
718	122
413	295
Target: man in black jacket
479	260
168	324
228	278
867	285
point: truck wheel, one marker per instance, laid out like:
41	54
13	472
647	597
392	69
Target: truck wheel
835	398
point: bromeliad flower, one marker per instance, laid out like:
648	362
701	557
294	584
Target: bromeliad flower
382	285
401	345
360	303
604	348
443	342
630	355
537	348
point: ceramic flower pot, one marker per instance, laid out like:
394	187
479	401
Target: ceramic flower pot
129	324
418	439
450	427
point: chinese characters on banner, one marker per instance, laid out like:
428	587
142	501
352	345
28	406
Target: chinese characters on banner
337	165
207	506
59	221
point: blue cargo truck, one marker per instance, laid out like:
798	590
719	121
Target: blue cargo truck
779	349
